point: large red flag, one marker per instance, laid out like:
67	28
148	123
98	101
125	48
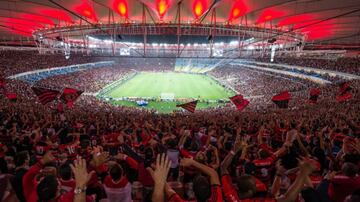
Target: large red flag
60	107
190	106
2	85
70	95
344	93
45	95
11	96
239	102
282	99
314	95
2	82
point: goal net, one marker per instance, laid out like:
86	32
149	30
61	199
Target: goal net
167	96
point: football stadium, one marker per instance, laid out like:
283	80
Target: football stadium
179	100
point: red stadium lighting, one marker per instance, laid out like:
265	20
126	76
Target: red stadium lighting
321	30
37	18
162	7
121	7
86	10
199	7
57	14
238	9
22	27
268	15
295	19
23	23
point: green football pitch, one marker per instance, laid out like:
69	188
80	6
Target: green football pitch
179	85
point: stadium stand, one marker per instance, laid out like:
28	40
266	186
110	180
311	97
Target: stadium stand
120	144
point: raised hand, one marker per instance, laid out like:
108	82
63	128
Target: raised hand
239	144
47	158
99	157
81	175
162	167
280	170
306	167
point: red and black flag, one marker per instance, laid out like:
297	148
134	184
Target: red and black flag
45	95
11	96
190	106
314	95
60	107
2	85
239	102
282	99
2	82
70	95
344	93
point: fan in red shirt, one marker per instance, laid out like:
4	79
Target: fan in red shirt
71	147
204	190
41	148
246	184
111	142
48	187
116	184
65	178
264	165
343	185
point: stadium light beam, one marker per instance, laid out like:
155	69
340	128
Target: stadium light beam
162	6
199	7
238	9
121	7
86	10
268	15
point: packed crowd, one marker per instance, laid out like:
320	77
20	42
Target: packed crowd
95	151
14	62
311	153
348	65
250	82
90	81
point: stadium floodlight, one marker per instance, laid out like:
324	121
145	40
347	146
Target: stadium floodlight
154	44
233	43
251	47
196	44
92	38
188	44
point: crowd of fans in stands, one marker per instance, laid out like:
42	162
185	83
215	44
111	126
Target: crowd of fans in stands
254	83
90	81
347	65
14	62
96	151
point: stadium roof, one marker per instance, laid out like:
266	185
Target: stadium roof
324	21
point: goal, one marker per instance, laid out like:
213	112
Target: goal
167	96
